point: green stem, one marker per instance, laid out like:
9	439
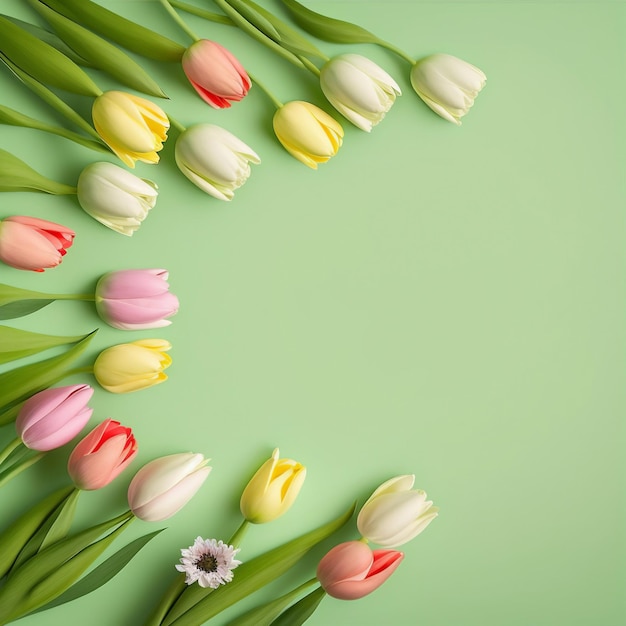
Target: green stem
401	53
310	65
6	453
168	7
275	101
238	535
197	11
88	369
85	297
13	471
177	125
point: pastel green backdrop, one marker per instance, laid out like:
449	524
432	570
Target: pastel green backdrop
435	300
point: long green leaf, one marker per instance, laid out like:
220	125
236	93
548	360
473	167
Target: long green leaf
16	343
18	384
196	605
43	62
328	28
254	17
102	54
15	175
125	32
218	18
101	574
300	612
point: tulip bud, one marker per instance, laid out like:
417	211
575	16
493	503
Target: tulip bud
272	490
359	89
307	133
448	85
52	417
394	514
115	197
102	455
132	366
352	569
29	243
133	127
215	73
163	486
214	160
135	299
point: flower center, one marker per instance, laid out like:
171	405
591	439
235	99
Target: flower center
207	563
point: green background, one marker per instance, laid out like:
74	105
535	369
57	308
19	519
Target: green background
435	300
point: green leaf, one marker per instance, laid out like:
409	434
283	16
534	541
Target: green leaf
125	32
253	16
102	54
15	175
17	535
300	612
196	606
20	309
20	383
16	343
101	574
43	62
207	15
328	28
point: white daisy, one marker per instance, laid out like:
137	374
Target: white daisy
208	562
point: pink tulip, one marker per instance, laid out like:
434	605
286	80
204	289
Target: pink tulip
51	418
135	299
103	454
29	243
215	73
352	569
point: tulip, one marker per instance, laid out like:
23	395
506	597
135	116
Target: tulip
52	417
352	570
163	486
272	490
135	299
102	455
29	243
132	366
215	73
214	160
307	133
394	513
133	127
115	197
448	85
359	89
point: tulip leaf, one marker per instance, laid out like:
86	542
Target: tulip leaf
20	383
328	28
300	612
252	15
20	309
102	54
207	15
196	605
127	33
101	574
15	175
42	61
16	343
16	536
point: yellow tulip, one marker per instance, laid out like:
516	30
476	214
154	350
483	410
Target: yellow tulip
133	127
272	490
132	366
307	133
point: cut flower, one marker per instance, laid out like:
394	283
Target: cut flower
208	562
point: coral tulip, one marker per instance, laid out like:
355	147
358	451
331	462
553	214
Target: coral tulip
359	89
272	490
52	417
307	133
214	160
395	513
135	299
29	243
352	569
115	197
163	486
102	455
215	73
133	127
132	366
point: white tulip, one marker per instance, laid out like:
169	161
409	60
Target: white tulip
359	89
115	197
395	514
214	160
448	85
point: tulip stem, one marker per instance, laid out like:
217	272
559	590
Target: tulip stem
170	9
6	453
237	536
88	369
275	101
310	66
177	125
14	470
85	297
401	53
197	11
